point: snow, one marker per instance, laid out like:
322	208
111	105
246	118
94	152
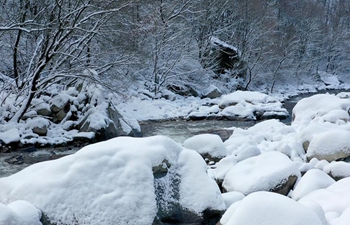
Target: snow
330	145
334	200
198	192
312	180
9	136
260	173
321	108
91	184
19	213
244	97
238	111
206	144
329	79
338	170
232	197
266	208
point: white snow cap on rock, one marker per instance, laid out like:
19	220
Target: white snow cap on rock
266	208
19	213
260	173
334	200
331	145
321	108
312	180
112	182
206	144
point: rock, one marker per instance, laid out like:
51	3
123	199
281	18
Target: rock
59	102
331	145
209	146
269	208
337	170
271	171
212	92
15	160
38	125
121	173
41	131
10	136
312	180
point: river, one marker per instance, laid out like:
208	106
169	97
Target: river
178	130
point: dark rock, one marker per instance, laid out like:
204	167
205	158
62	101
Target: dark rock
285	187
29	149
15	160
212	92
42	131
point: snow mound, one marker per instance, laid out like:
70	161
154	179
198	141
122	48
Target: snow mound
245	97
113	182
9	136
337	170
312	180
265	172
19	213
331	145
207	145
321	108
266	208
334	200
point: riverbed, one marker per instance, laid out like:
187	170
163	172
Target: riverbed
178	130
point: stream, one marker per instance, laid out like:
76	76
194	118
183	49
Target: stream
178	130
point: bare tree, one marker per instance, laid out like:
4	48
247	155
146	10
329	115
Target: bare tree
52	41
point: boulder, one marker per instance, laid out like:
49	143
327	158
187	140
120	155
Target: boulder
153	180
266	208
331	145
271	171
209	146
19	213
312	180
337	170
212	92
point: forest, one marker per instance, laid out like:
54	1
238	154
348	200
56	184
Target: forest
170	45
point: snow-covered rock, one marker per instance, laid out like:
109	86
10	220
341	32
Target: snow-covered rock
331	145
209	146
232	197
121	181
337	170
10	136
19	213
271	171
334	200
321	108
266	208
312	180
212	92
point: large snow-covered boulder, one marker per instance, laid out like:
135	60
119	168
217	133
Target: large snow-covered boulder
121	181
19	213
331	145
209	146
266	208
271	171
